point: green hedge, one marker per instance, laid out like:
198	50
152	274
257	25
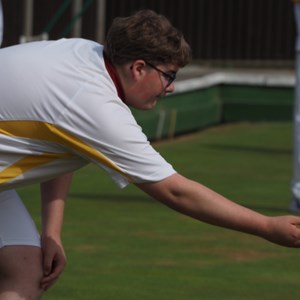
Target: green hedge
252	103
185	112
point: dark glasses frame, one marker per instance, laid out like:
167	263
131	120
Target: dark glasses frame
170	77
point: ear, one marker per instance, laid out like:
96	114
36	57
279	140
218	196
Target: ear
138	69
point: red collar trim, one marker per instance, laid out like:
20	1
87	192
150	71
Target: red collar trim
114	76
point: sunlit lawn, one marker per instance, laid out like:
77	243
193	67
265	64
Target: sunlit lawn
122	245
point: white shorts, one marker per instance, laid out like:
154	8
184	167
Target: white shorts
16	225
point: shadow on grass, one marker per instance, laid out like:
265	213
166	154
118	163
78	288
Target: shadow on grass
111	197
249	149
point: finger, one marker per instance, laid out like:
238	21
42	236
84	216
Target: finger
296	223
49	280
58	268
51	277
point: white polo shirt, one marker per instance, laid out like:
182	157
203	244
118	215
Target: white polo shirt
60	110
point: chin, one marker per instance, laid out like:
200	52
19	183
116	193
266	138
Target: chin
146	106
151	105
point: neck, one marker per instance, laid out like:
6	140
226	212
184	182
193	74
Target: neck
112	71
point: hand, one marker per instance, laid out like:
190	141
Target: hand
284	230
54	260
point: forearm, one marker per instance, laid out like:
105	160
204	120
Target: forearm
199	202
208	206
53	195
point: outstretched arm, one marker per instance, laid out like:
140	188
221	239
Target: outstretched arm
199	202
53	194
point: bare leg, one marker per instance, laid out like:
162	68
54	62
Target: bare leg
20	273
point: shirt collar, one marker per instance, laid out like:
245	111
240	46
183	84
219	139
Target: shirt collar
114	76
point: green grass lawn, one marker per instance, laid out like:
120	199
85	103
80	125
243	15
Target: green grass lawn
123	245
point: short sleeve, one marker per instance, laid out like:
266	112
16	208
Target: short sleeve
102	129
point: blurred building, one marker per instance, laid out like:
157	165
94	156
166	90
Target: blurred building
221	32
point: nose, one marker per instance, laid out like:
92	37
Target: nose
170	88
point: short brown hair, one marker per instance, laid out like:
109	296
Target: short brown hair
149	36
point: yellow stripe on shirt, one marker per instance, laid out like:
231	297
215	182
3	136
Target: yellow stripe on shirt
27	163
43	131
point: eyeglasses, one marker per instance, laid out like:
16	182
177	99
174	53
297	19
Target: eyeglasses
170	77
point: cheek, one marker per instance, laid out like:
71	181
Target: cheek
143	101
147	90
145	96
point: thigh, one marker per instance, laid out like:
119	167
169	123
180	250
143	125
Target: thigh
24	262
16	225
20	272
20	253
